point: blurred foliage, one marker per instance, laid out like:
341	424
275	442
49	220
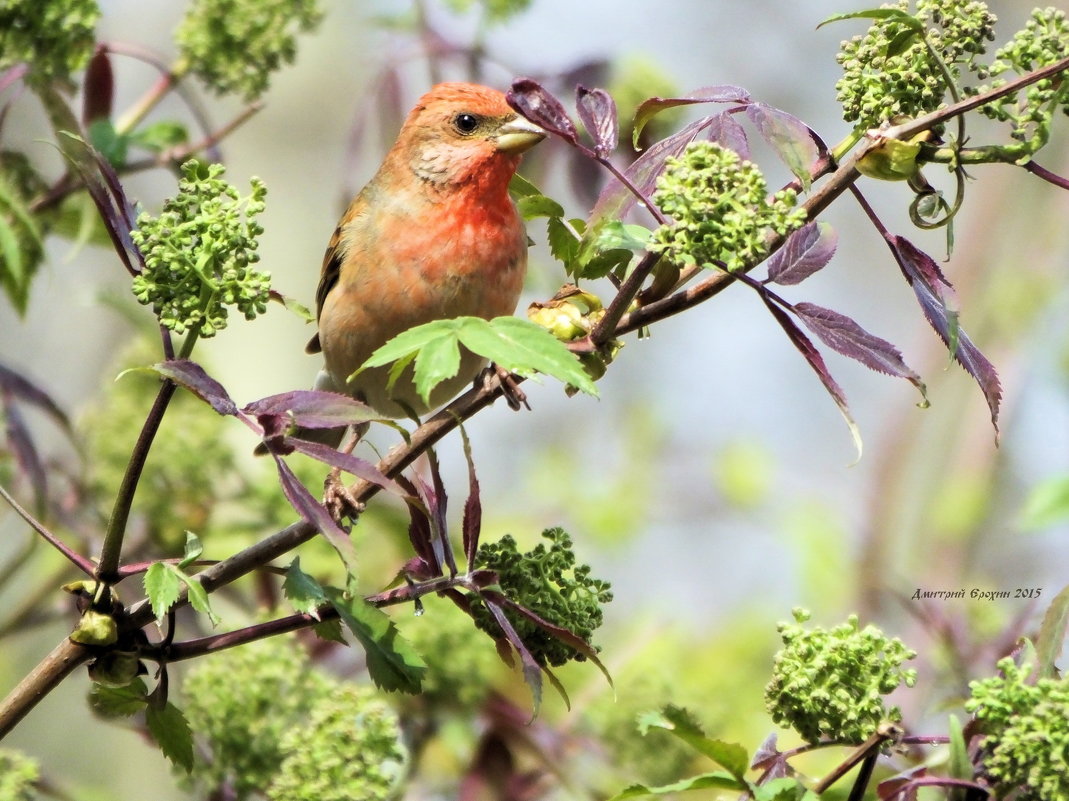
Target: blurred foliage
18	773
55	37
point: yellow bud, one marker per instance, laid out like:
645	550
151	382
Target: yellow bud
95	628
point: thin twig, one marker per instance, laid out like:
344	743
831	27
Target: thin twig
79	561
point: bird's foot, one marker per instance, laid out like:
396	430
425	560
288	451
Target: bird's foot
339	501
514	396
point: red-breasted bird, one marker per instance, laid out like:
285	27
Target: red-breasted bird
433	235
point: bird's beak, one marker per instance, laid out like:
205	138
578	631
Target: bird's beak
517	135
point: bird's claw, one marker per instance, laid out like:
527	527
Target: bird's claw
338	500
514	396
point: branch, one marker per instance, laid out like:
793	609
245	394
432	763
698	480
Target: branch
44	678
79	561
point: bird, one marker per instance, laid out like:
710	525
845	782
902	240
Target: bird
433	235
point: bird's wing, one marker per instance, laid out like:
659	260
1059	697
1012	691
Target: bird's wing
328	278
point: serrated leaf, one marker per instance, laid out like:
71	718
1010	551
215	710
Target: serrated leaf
438	361
302	591
563	244
816	362
118	702
330	631
597	110
617	235
170	730
198	599
936	298
679	722
806	251
310	408
878	13
533	206
316	514
521	187
193	377
716	779
392	663
537	104
411	342
725	130
162	585
107	141
524	348
788	136
781	789
709	94
1051	639
192	552
846	337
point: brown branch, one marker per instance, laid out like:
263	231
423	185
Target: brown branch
44	678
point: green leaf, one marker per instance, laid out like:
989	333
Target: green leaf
160	135
681	723
717	779
109	142
1051	637
1047	504
563	245
192	552
521	187
304	592
330	631
784	788
879	13
198	599
438	361
392	663
616	235
118	702
960	766
170	730
525	348
163	585
532	206
410	342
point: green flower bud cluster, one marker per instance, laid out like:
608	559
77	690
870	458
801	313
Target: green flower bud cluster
1026	747
348	748
721	208
1044	40
830	683
199	251
891	71
271	724
18	773
234	45
548	582
56	37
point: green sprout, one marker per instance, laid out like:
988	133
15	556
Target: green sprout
829	684
904	65
199	253
722	211
234	45
55	37
1026	727
1043	41
548	582
348	748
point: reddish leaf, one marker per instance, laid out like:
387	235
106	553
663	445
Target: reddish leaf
813	357
354	465
315	514
806	250
25	390
193	377
845	336
473	509
310	408
98	88
709	94
936	297
535	102
725	130
441	505
26	456
788	136
419	528
597	110
532	671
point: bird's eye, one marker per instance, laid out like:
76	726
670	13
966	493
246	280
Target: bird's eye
466	123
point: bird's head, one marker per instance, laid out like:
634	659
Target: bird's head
459	132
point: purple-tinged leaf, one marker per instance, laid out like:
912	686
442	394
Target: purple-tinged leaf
315	514
845	336
813	357
532	671
473	508
20	387
441	506
709	94
98	88
725	130
26	455
771	760
806	250
788	136
354	465
534	101
935	295
192	376
597	110
309	408
419	529
616	199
